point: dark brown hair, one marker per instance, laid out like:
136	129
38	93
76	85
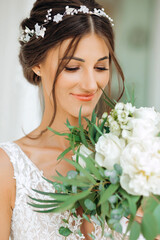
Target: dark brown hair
73	27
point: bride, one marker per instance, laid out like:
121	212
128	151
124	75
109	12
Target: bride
67	48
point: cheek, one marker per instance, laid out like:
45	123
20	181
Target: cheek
66	82
104	80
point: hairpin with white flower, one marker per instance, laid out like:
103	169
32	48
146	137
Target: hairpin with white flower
40	30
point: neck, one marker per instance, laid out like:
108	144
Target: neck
49	139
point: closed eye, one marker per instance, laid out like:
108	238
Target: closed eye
71	69
102	68
76	68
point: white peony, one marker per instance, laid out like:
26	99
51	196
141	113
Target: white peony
144	124
140	162
108	150
85	152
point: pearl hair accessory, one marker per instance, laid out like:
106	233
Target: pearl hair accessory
40	30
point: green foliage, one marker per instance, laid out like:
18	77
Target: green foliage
64	231
108	192
86	217
149	226
135	231
95	189
89	204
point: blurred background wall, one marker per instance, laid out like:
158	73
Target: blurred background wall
137	31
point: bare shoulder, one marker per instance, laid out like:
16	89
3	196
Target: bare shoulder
7	182
7	195
5	165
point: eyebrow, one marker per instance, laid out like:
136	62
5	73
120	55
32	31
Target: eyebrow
82	60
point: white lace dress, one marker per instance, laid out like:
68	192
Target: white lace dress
27	224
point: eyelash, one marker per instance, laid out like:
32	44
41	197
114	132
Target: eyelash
75	69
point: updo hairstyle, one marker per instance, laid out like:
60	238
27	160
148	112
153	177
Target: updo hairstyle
75	27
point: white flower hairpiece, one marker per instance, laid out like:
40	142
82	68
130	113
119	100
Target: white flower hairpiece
40	30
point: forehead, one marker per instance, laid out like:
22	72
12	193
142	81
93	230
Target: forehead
90	46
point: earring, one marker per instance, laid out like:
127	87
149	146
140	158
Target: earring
38	73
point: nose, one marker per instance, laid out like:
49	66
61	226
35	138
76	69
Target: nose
88	82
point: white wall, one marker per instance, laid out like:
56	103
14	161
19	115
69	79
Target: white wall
19	104
153	92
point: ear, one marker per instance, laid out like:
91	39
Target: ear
37	70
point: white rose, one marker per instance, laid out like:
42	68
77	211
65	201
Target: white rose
140	162
108	150
85	152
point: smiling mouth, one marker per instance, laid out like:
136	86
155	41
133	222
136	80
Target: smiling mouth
84	97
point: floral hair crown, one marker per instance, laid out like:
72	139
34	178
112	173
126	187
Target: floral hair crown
40	30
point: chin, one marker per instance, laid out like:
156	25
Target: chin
85	112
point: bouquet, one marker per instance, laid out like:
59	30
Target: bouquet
117	170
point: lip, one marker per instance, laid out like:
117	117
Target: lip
84	97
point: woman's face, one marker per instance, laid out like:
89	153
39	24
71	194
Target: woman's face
80	83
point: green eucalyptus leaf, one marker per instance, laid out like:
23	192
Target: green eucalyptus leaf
45	211
156	214
109	104
127	93
44	201
92	132
70	203
90	162
132	200
114	179
135	231
94	116
98	130
92	236
64	220
117	213
58	133
61	156
149	226
56	196
105	209
108	192
79	232
95	220
81	169
90	204
113	199
112	221
86	217
43	205
65	231
72	174
118	169
83	137
80	116
101	126
117	227
149	204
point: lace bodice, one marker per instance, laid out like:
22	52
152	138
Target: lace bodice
27	224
